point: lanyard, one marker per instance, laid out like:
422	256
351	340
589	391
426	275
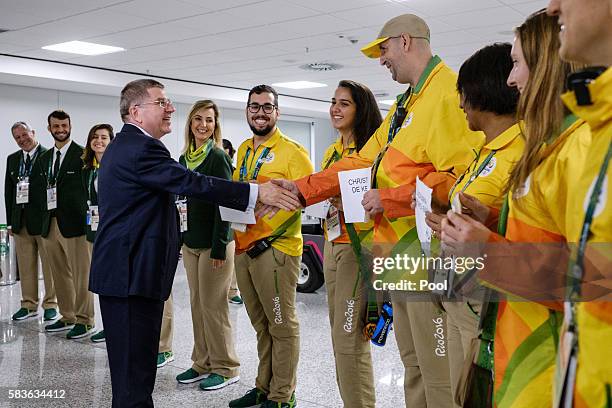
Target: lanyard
335	157
92	176
22	170
49	175
258	164
397	120
576	268
474	175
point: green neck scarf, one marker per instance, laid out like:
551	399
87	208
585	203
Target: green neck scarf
194	157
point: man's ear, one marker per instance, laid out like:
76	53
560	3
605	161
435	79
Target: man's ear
407	40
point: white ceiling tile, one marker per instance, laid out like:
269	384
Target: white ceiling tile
444	7
504	16
273	11
58	9
373	15
451	38
148	35
327	6
323	24
220	22
161	11
530	7
104	22
225	4
12	20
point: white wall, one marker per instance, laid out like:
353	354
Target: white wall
32	105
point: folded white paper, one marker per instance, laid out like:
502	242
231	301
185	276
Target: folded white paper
240	217
353	185
318	210
423	205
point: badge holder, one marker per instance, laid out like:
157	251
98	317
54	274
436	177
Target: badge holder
23	191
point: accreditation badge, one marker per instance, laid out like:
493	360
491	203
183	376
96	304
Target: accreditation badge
51	198
332	223
93	217
23	191
181	206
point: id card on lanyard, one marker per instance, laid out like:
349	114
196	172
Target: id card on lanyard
181	207
51	190
93	217
23	191
332	223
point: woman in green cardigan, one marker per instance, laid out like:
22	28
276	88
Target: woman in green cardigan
208	256
97	140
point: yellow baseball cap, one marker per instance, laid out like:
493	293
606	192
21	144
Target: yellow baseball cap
409	24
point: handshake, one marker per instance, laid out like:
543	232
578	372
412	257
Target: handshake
278	194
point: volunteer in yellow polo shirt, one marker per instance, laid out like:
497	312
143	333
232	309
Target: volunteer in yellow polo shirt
426	137
590	209
490	106
268	255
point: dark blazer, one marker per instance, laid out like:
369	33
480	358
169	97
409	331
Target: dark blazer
71	197
205	229
30	214
137	242
91	196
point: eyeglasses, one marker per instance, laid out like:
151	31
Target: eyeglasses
267	107
162	103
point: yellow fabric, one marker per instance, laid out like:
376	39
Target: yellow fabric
286	159
536	215
489	186
594	318
327	161
434	143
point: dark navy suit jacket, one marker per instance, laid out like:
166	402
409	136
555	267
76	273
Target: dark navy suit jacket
137	244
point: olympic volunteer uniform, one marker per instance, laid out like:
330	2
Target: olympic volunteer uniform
434	143
593	386
347	301
527	333
268	282
485	179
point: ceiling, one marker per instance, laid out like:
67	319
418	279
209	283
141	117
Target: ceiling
241	43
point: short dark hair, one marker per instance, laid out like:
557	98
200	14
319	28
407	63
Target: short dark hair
367	114
135	92
482	80
259	89
228	145
59	115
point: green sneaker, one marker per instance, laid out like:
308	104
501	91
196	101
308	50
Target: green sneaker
58	326
50	314
24	313
80	330
251	399
236	300
164	358
190	376
273	404
98	337
216	381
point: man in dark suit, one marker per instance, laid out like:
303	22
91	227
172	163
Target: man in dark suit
64	227
24	199
137	245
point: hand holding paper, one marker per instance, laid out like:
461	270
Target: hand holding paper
371	202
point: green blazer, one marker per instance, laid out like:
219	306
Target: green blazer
71	208
205	229
91	195
30	214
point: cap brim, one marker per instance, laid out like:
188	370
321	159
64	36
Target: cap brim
372	50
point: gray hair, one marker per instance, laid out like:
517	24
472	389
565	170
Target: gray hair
135	92
21	124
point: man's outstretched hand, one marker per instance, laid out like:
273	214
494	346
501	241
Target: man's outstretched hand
273	194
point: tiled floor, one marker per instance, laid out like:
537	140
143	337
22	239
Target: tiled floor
33	360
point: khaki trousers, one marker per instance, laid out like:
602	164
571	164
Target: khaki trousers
29	248
165	335
420	331
70	260
268	286
462	324
233	288
213	346
347	301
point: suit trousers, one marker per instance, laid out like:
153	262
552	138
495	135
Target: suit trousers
233	289
167	326
70	260
420	331
213	347
268	286
29	248
347	301
132	327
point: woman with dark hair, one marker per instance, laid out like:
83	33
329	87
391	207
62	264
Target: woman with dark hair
355	115
208	255
556	143
97	140
490	106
